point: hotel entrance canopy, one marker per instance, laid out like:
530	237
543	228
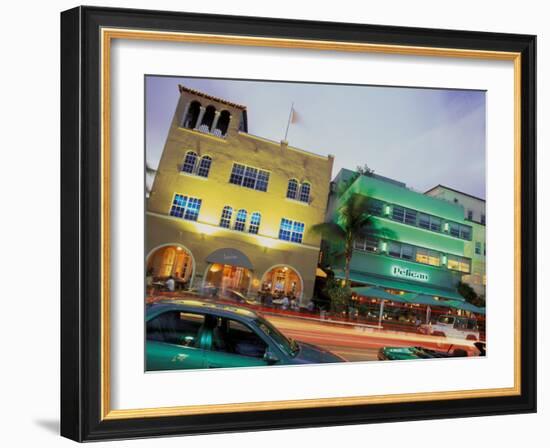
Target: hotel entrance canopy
231	257
383	282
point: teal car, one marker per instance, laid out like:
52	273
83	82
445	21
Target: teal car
408	353
194	334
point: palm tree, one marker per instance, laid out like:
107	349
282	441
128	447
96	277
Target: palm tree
352	220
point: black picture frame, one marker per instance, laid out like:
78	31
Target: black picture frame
81	224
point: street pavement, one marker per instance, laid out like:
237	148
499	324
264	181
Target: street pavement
356	343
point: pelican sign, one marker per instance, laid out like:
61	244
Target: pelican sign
398	271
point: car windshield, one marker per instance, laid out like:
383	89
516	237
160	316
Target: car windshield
289	346
446	320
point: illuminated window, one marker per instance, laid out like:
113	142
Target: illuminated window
254	226
240	220
458	263
225	220
185	207
428	256
292	189
204	166
291	230
305	190
249	177
189	162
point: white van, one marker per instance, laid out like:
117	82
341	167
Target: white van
453	327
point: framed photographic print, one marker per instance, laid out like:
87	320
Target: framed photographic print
272	223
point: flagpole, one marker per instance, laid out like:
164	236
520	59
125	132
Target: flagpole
289	118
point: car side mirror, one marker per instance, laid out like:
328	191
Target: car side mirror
270	358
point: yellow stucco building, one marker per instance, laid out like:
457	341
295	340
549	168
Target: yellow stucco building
231	210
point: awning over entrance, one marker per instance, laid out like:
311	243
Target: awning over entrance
401	286
466	307
374	292
231	257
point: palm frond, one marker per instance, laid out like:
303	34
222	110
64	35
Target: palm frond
329	231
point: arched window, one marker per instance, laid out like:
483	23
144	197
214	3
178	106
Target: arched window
292	190
189	162
223	122
208	118
204	166
305	189
240	220
254	226
225	220
190	120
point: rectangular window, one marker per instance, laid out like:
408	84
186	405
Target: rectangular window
454	229
460	231
428	256
466	233
291	230
478	248
407	252
398	213
435	224
175	327
424	220
237	174
460	264
470	215
394	249
368	244
483	218
410	217
263	180
375	207
249	177
185	207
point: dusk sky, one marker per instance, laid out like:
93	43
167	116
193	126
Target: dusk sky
422	137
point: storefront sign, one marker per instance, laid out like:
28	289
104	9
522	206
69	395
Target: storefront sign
398	271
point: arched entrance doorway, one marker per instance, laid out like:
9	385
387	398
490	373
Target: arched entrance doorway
171	261
229	269
283	279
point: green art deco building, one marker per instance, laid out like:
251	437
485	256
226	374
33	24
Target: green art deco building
426	252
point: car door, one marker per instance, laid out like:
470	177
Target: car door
234	344
173	341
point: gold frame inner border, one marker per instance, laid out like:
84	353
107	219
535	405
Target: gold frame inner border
107	36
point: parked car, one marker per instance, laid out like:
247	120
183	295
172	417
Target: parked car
402	353
194	334
452	327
